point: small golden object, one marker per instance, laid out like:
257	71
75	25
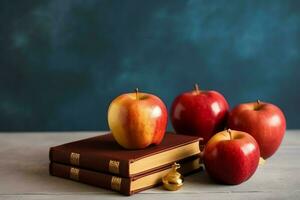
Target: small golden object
74	158
113	166
116	183
74	173
173	180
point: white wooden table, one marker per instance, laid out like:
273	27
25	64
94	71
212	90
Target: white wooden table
24	174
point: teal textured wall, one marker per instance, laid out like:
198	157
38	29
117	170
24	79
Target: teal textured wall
62	62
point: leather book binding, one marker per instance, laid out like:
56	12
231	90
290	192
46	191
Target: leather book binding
103	154
123	185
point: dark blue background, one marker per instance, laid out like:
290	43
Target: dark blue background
63	61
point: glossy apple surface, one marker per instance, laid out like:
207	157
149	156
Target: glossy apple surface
231	159
264	121
137	120
199	113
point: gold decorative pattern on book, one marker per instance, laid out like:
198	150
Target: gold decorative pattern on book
74	173
74	158
114	166
116	183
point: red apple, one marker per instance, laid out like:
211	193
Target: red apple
231	157
137	120
199	113
264	121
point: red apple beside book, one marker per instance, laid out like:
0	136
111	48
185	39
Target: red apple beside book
231	157
264	121
200	113
137	120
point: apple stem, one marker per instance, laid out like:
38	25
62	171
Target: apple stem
196	87
137	93
258	101
230	135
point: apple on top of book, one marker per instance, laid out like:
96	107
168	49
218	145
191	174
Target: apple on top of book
137	119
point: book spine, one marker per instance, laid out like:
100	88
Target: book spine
107	181
91	162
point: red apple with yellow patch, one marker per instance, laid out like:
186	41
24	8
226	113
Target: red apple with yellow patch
137	120
231	157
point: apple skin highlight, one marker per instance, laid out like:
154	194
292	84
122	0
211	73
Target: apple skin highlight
137	121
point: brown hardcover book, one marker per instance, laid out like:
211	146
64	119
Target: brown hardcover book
104	154
126	186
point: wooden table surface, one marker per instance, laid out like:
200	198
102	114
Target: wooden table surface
24	174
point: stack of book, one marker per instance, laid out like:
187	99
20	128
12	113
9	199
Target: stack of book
102	162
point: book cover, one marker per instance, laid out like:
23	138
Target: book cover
104	154
123	185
